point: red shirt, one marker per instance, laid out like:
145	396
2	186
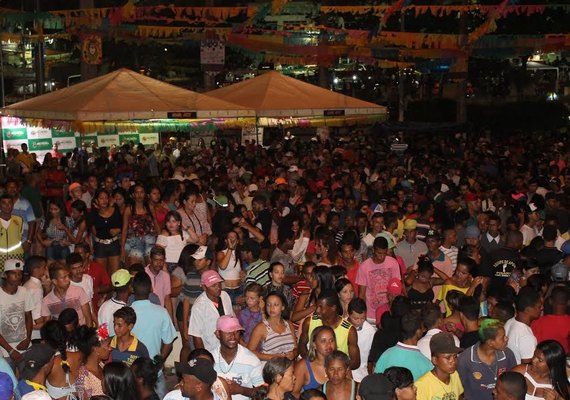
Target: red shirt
100	278
552	327
351	275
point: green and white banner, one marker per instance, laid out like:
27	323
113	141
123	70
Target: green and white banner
41	140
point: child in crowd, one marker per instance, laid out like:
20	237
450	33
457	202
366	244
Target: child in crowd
251	315
277	275
125	346
172	238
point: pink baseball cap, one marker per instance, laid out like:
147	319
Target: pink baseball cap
210	277
228	323
394	286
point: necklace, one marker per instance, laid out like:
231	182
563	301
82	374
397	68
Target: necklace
220	358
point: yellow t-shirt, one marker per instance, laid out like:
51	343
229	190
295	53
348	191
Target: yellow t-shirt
443	292
431	388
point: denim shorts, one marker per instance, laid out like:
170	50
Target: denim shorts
57	252
139	246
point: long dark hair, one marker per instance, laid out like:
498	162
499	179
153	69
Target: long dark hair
62	213
556	361
324	279
119	382
53	333
131	199
86	338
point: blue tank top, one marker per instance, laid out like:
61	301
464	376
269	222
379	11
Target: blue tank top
313	383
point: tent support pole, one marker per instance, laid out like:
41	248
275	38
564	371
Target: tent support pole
257	150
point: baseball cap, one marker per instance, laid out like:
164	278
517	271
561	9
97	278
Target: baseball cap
385	235
565	248
410	225
210	277
376	387
13	265
326	202
35	358
73	186
120	278
200	368
6	386
472	232
200	253
252	188
559	272
432	234
293	168
394	286
443	343
280	181
530	208
221	200
228	323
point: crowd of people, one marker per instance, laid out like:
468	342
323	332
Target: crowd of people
316	269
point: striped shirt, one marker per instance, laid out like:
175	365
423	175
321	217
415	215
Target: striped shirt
245	369
452	253
276	342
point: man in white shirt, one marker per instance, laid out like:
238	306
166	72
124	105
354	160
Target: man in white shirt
529	228
206	310
376	227
431	319
15	314
234	362
365	331
121	281
37	268
522	341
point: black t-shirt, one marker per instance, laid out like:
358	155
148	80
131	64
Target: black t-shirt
503	262
469	339
384	338
547	257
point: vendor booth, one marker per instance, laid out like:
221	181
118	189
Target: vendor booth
114	108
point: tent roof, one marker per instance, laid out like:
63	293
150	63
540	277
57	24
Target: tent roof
120	96
275	95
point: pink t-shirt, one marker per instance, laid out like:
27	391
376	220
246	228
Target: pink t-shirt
160	284
75	297
375	278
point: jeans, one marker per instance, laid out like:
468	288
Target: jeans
139	246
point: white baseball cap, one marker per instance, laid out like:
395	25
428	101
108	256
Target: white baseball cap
13	265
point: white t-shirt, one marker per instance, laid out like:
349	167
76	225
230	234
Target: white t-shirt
106	312
36	294
365	336
86	284
245	369
521	339
13	308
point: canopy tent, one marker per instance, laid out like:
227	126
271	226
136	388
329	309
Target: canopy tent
275	95
124	95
